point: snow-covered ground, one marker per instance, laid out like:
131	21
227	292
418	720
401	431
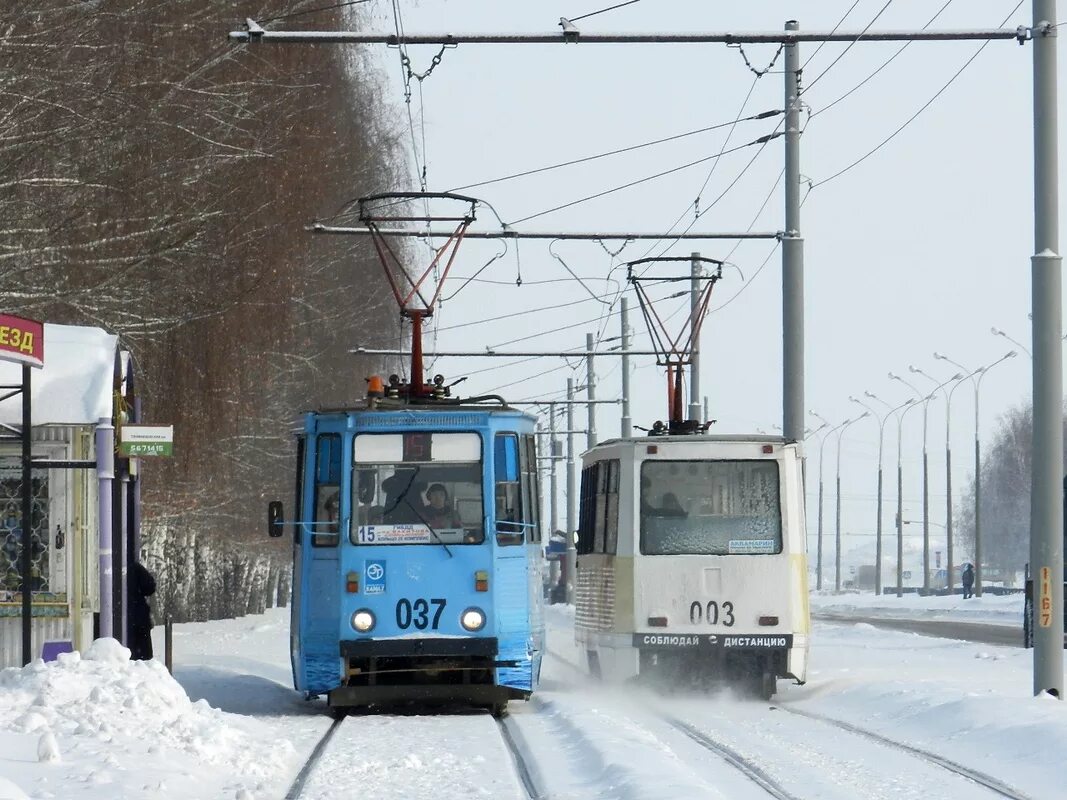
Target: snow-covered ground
228	726
988	609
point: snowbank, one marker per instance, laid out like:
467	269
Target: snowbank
107	721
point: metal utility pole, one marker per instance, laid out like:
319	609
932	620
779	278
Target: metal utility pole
792	256
1046	498
26	564
590	393
553	482
572	516
694	310
626	425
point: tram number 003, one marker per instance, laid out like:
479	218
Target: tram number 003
713	612
417	612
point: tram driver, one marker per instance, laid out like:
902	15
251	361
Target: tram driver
440	513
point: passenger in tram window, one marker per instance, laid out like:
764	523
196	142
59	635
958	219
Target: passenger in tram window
332	507
327	521
440	513
671	506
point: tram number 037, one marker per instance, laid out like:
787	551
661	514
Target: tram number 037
417	612
713	612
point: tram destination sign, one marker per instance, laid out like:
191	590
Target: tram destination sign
21	340
147	440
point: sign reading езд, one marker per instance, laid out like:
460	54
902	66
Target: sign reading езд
21	340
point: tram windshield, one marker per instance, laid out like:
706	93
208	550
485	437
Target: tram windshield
417	488
710	508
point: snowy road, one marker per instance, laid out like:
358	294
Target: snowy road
228	726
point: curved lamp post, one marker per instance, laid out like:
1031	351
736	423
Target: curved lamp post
881	440
837	536
925	400
981	372
959	376
998	332
818	551
910	404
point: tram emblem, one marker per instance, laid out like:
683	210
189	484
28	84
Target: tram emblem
375	583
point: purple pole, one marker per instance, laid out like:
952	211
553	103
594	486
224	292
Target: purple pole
105	474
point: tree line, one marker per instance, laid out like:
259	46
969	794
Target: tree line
155	180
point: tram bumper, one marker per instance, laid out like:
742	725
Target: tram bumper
421	671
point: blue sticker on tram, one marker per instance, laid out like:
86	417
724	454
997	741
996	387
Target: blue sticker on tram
375	578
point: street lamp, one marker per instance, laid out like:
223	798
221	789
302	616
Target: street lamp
925	400
998	332
981	372
881	438
948	461
818	551
900	495
837	536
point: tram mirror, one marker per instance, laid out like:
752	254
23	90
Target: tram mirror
275	515
366	485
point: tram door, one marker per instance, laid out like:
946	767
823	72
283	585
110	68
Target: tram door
317	555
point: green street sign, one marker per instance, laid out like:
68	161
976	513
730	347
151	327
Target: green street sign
147	440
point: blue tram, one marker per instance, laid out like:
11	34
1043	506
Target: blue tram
417	556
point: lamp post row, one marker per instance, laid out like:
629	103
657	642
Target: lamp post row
899	412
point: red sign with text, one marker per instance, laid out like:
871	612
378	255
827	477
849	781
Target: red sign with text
21	340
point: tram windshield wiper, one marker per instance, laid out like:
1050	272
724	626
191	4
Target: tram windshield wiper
422	519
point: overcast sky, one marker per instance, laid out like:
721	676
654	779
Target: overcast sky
922	247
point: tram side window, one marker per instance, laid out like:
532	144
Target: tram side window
611	508
327	524
510	505
301	446
598	522
587	510
600	507
530	496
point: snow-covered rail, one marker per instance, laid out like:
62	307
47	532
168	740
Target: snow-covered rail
519	755
749	768
297	786
988	781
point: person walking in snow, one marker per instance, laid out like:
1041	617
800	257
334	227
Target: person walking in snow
142	586
967	578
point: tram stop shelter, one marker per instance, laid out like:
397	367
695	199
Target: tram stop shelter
71	395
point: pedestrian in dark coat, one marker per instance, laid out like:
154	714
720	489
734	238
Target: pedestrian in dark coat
142	586
968	581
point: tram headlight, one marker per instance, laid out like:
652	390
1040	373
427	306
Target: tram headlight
473	619
363	620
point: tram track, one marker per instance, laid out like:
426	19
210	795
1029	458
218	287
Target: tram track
982	779
745	766
297	786
759	776
527	774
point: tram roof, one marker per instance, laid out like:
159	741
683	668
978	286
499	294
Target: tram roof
698	438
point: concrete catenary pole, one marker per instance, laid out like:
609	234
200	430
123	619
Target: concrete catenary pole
1046	500
590	392
626	424
694	369
792	256
572	500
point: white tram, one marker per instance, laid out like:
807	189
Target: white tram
691	560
